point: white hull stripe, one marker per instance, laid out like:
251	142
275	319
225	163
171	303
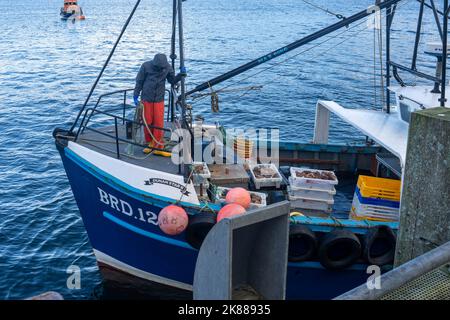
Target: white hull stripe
108	260
137	177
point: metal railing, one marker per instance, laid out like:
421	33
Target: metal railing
116	136
89	113
124	105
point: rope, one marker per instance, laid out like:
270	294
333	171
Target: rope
186	184
146	125
99	141
206	206
122	154
214	102
214	99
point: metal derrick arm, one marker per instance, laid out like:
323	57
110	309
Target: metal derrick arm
294	45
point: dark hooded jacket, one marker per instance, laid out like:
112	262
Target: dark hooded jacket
151	79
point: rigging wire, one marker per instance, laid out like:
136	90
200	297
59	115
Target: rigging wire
301	52
380	52
284	60
374	65
337	15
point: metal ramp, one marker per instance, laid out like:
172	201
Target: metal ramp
434	285
245	257
426	277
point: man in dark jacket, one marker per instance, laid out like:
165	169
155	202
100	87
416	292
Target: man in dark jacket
150	84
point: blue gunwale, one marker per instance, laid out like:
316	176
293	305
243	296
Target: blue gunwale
329	224
316	223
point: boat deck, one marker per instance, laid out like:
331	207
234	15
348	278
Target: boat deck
128	152
133	154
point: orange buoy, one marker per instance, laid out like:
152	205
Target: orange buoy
230	210
239	196
173	220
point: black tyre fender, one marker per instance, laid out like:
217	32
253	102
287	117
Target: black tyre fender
379	245
198	227
302	243
339	249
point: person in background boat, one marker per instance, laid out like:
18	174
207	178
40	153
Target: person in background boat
150	84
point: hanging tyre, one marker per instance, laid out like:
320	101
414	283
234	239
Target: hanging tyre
198	228
379	245
339	249
302	243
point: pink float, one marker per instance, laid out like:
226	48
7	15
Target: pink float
239	196
173	220
230	210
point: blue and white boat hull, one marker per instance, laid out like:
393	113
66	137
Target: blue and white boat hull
119	211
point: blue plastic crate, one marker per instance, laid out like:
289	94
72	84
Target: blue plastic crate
376	202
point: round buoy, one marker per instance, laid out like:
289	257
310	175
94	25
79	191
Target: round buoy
173	220
230	210
239	196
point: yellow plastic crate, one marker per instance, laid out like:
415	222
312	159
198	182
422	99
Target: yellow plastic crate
381	188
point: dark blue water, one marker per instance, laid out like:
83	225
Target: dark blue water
47	67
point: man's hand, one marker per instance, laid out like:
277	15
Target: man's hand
136	100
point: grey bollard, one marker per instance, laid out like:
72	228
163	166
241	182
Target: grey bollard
425	204
245	257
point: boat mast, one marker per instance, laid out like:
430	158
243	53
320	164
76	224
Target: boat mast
186	116
173	57
182	66
390	11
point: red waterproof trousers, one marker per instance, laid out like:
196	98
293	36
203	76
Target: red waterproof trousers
154	116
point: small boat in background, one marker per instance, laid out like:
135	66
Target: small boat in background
72	10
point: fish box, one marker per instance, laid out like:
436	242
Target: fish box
258	199
313	179
266	175
310	193
229	175
382	188
312	204
375	201
373	212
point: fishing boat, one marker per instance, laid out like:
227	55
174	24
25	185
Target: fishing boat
120	192
71	10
